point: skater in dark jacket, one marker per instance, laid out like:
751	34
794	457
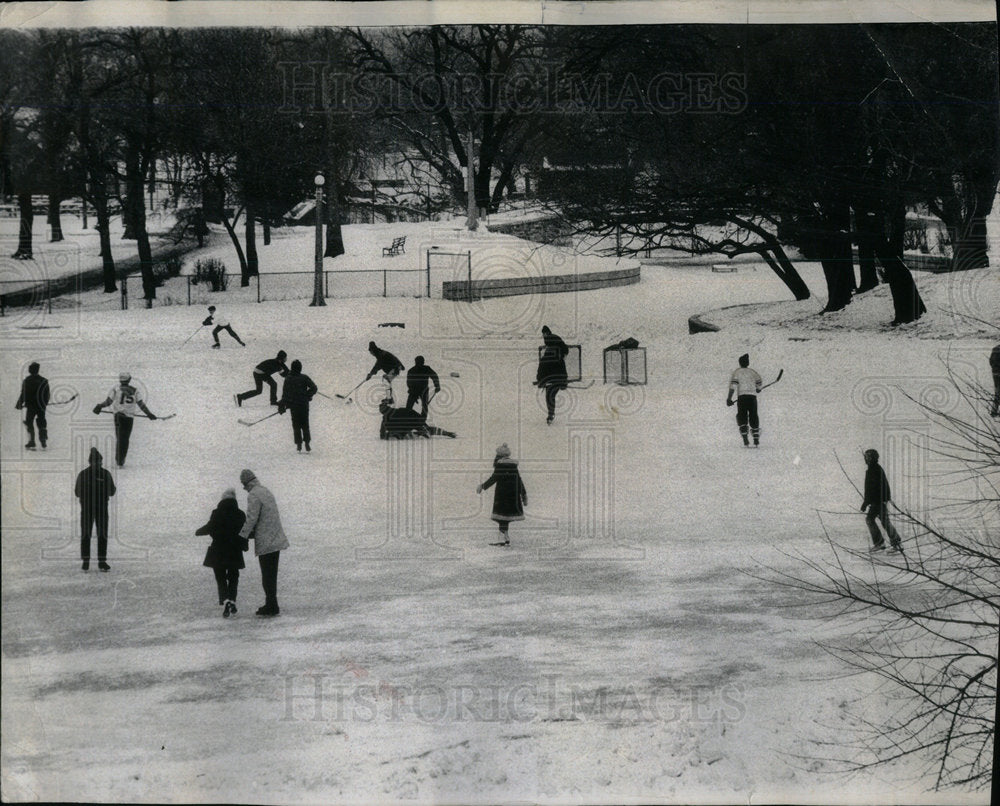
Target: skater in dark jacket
877	497
262	374
551	373
225	553
510	497
94	486
34	399
387	364
295	396
406	423
418	381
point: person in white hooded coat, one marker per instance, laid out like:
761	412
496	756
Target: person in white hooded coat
263	526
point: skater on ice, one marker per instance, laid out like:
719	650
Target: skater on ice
263	526
225	552
221	322
296	394
94	486
126	402
551	373
262	374
746	385
877	497
34	399
387	364
418	381
995	369
404	423
510	497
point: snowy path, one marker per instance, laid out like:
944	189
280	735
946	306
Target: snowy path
621	647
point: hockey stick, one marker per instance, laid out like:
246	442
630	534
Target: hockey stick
347	397
254	422
69	399
772	383
192	335
145	416
322	395
581	385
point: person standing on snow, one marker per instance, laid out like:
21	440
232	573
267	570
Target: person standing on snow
745	383
94	486
510	497
262	374
387	364
551	373
225	553
877	497
296	393
418	381
126	402
34	398
221	322
263	526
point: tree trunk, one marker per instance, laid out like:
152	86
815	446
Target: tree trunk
104	231
27	223
334	233
906	301
236	241
266	223
834	241
55	222
136	204
866	226
250	234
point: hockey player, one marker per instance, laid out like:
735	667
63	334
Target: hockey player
126	402
94	486
296	393
34	398
387	364
510	497
262	374
418	381
221	323
405	423
877	497
745	383
551	373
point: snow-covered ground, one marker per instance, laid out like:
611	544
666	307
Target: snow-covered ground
623	648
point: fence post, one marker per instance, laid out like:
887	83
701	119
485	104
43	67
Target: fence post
326	284
385	283
189	289
469	263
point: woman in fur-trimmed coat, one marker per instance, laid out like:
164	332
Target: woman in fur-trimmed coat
510	497
225	554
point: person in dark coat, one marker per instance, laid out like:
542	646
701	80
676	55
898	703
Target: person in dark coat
877	497
94	486
387	364
551	373
262	374
296	393
225	552
405	423
418	381
34	399
510	497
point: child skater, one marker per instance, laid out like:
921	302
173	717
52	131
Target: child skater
510	497
225	554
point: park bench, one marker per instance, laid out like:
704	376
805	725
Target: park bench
398	246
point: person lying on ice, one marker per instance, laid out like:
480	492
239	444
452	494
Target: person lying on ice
405	423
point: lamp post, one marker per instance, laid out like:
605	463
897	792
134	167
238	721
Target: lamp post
318	300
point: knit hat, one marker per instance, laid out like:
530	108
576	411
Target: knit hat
124	377
503	452
211	307
229	493
33	368
372	347
872	453
745	360
545	330
296	367
95	457
246	476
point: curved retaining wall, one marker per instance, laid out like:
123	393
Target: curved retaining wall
483	289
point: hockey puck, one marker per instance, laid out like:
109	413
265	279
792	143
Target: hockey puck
454	375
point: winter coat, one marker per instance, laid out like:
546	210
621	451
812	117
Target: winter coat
419	378
263	524
34	394
227	547
271	365
399	423
94	486
385	362
552	364
297	390
876	487
510	495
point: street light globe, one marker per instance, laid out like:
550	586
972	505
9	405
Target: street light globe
320	180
